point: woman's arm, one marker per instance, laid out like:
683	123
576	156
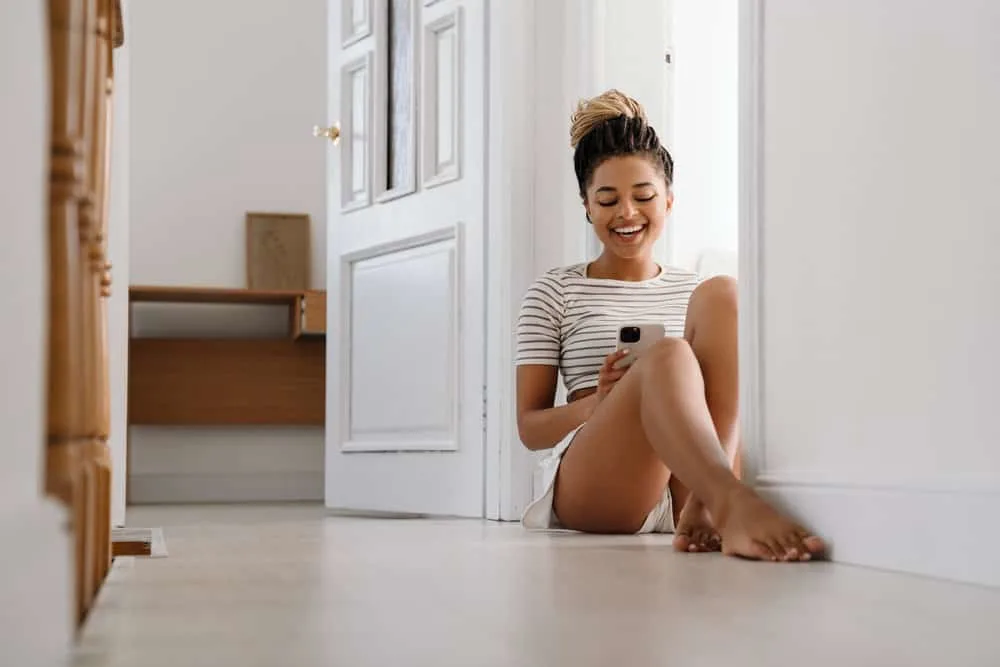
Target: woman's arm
539	424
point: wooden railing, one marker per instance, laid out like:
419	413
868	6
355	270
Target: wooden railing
82	34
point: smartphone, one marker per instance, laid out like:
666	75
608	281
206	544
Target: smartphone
637	338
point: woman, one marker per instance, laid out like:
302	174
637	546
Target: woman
649	448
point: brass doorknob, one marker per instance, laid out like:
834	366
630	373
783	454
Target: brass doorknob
332	133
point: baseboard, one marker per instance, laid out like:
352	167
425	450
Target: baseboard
226	488
946	534
36	619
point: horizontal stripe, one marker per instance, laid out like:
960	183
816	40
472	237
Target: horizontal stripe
573	321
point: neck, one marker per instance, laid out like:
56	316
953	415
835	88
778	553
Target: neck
615	268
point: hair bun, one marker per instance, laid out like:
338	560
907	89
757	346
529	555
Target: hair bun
591	113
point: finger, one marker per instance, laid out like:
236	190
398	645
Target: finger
615	357
614	376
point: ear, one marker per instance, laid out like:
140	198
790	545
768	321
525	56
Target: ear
670	200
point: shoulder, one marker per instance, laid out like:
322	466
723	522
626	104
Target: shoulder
680	278
564	273
554	281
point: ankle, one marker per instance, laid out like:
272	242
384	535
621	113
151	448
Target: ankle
724	500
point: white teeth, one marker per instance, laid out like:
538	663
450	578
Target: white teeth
629	230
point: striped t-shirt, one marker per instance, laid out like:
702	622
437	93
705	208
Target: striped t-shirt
572	321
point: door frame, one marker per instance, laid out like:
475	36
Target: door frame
509	207
749	208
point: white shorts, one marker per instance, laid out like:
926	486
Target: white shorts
540	515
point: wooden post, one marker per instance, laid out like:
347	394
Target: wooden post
78	462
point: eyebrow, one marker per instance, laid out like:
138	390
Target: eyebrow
608	188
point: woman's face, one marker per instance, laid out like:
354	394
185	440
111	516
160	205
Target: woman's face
628	203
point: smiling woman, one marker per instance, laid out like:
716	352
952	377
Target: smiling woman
648	447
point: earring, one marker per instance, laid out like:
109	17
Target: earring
589	221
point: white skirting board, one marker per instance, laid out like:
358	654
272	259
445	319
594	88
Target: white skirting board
221	488
35	585
945	534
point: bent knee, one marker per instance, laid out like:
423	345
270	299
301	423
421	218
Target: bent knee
713	303
666	351
716	292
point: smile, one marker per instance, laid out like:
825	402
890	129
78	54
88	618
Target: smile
629	232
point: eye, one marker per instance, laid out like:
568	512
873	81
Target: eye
606	204
646	199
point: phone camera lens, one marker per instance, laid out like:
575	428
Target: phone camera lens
630	334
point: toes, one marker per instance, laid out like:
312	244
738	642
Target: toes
697	541
793	549
815	545
713	542
801	553
751	549
777	552
701	539
806	545
762	551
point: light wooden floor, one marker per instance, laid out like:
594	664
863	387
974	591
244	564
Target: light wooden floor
292	587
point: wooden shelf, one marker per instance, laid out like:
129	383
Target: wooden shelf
250	381
171	294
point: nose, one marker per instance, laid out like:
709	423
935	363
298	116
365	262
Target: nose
627	210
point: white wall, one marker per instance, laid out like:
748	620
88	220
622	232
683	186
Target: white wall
35	558
560	230
880	317
706	113
223	99
118	255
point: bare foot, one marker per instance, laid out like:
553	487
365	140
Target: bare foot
695	532
753	529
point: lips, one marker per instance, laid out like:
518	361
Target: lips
629	233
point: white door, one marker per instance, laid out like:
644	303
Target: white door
406	200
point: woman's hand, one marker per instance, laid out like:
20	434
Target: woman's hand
609	376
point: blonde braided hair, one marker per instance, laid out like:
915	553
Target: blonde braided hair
610	125
591	113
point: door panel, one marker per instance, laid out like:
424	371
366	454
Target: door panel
406	342
401	302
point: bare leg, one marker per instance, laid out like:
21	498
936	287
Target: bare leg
711	329
657	416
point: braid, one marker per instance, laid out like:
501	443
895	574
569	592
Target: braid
613	125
